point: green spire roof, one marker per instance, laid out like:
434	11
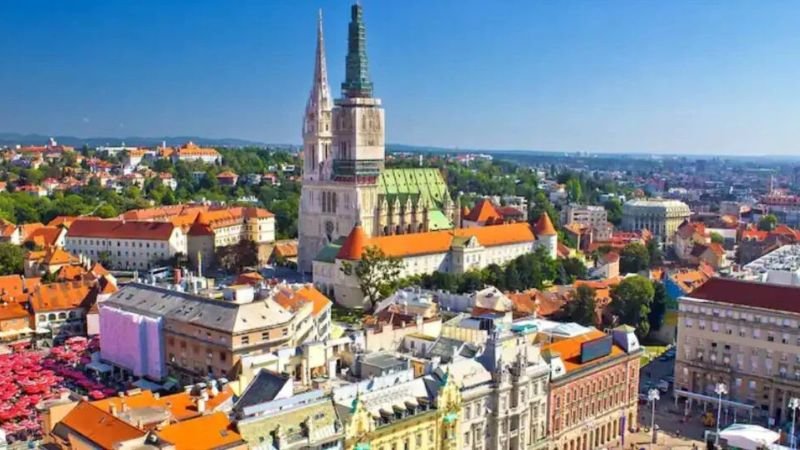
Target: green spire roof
357	83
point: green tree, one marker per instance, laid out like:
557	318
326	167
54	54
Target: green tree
631	302
12	258
233	258
581	308
614	209
659	307
574	190
767	222
571	269
634	258
655	256
376	273
717	238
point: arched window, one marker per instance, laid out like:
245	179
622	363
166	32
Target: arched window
51	316
62	315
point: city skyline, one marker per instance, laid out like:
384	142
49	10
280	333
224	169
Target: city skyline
677	78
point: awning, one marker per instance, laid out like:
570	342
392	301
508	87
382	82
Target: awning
8	333
149	385
99	367
748	437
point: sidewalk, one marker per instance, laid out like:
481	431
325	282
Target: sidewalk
665	442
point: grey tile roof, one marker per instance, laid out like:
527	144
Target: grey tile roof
184	307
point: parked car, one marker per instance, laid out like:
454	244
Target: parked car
663	386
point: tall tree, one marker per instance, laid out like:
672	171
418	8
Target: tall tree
655	255
659	307
634	258
581	308
376	273
12	258
631	301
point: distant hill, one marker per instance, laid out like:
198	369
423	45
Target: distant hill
40	139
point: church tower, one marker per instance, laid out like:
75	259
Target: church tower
317	120
343	151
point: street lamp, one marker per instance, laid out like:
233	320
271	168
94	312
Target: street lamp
721	390
652	396
794	403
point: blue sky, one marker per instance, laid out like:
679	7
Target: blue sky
678	76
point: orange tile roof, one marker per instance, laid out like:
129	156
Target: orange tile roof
99	427
57	256
70	273
28	228
689	280
181	405
484	211
402	245
214	431
318	300
251	278
227	174
98	269
12	310
7	228
286	249
544	226
63	295
354	245
570	350
14	286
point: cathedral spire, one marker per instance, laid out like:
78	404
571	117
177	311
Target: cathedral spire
320	97
357	83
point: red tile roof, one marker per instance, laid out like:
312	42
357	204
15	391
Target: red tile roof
484	211
544	226
121	229
748	293
45	236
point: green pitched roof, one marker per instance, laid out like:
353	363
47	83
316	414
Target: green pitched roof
329	252
439	221
419	182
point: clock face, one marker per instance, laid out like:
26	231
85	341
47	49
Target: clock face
329	227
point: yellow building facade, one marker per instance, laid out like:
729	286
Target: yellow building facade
407	422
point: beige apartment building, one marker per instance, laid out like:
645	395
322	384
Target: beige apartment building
745	335
188	336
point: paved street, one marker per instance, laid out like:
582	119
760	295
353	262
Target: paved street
674	431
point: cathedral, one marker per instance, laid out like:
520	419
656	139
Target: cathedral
344	179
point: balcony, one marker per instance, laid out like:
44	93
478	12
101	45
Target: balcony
356	169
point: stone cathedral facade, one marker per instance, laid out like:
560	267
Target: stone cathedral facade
344	179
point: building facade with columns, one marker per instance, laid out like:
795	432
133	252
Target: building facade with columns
344	179
661	217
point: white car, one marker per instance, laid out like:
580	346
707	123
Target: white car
663	386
